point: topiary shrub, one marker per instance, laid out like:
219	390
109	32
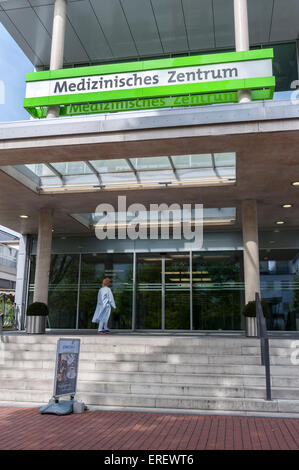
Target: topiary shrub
250	309
37	309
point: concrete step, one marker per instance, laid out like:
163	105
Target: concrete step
29	395
14	384
289	382
200	403
158	367
172	378
179	389
187	390
138	339
23	373
132	348
154	357
201	355
47	375
184	390
181	411
159	402
133	340
128	388
18	376
278	393
191	379
158	389
150	345
171	358
215	366
145	364
137	377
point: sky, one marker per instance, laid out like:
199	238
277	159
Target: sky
13	67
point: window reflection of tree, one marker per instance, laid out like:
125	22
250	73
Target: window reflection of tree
177	295
218	307
63	290
148	315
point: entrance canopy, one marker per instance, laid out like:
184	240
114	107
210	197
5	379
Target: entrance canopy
130	173
252	148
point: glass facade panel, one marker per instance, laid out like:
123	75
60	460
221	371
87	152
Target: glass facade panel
149	292
217	290
72	168
177	292
94	268
193	161
31	279
163	289
111	166
63	290
279	271
225	159
40	169
285	65
150	163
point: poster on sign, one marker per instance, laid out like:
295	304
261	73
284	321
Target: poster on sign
67	362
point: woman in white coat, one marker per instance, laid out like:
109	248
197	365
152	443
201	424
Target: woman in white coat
103	308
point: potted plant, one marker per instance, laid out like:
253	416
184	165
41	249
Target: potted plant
249	312
37	313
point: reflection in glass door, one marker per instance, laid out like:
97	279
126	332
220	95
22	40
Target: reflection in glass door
177	291
149	292
217	290
63	290
163	291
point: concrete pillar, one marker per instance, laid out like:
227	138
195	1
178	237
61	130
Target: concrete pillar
242	38
57	46
250	249
43	258
21	280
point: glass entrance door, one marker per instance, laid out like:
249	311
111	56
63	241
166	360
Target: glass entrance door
163	291
94	268
149	292
177	291
183	291
217	290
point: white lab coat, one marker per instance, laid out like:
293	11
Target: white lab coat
104	304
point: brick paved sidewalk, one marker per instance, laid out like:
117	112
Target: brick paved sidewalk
26	428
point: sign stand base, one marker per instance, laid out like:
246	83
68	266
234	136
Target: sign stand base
56	407
63	407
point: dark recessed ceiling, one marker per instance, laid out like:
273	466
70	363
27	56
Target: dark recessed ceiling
111	30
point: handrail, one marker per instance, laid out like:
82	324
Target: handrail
262	333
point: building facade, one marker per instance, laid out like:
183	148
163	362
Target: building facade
9	245
230	147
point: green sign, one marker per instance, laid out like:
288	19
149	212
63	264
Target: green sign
164	83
